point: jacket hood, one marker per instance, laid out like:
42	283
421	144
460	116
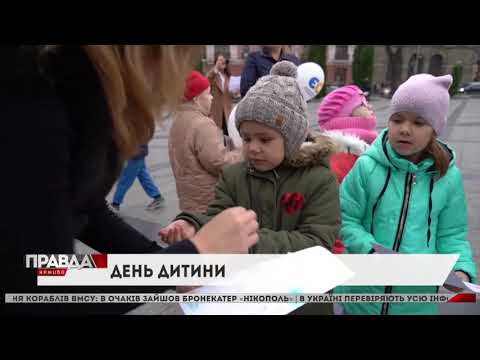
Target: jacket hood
382	151
189	106
316	150
347	143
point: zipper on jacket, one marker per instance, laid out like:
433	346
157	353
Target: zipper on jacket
251	172
389	172
252	205
401	225
276	219
278	206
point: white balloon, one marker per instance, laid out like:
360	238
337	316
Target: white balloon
232	129
311	78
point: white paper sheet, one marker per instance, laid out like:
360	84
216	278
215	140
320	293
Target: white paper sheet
474	287
313	270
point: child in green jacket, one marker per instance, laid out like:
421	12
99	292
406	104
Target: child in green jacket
285	178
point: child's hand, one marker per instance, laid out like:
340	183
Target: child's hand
462	276
177	231
233	231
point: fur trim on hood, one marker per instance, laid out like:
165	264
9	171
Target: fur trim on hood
347	143
316	150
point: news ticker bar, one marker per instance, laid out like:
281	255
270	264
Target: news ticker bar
237	298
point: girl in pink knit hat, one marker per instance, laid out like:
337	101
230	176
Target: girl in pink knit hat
348	119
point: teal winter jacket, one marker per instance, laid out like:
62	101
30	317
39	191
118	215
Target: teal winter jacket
406	207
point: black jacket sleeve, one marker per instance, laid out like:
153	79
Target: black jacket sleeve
37	212
107	233
34	186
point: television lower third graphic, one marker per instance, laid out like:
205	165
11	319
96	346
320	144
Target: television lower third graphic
238	298
313	270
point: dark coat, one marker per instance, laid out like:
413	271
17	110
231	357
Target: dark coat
58	177
258	64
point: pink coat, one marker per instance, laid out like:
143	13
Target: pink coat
197	154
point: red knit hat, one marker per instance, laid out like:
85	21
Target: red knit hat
196	84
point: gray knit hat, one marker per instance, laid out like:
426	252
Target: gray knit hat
276	101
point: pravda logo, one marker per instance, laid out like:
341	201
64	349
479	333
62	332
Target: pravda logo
58	264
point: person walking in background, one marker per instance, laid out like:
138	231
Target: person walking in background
219	78
259	63
136	168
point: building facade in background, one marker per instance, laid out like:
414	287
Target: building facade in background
433	59
339	64
402	61
339	59
237	55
